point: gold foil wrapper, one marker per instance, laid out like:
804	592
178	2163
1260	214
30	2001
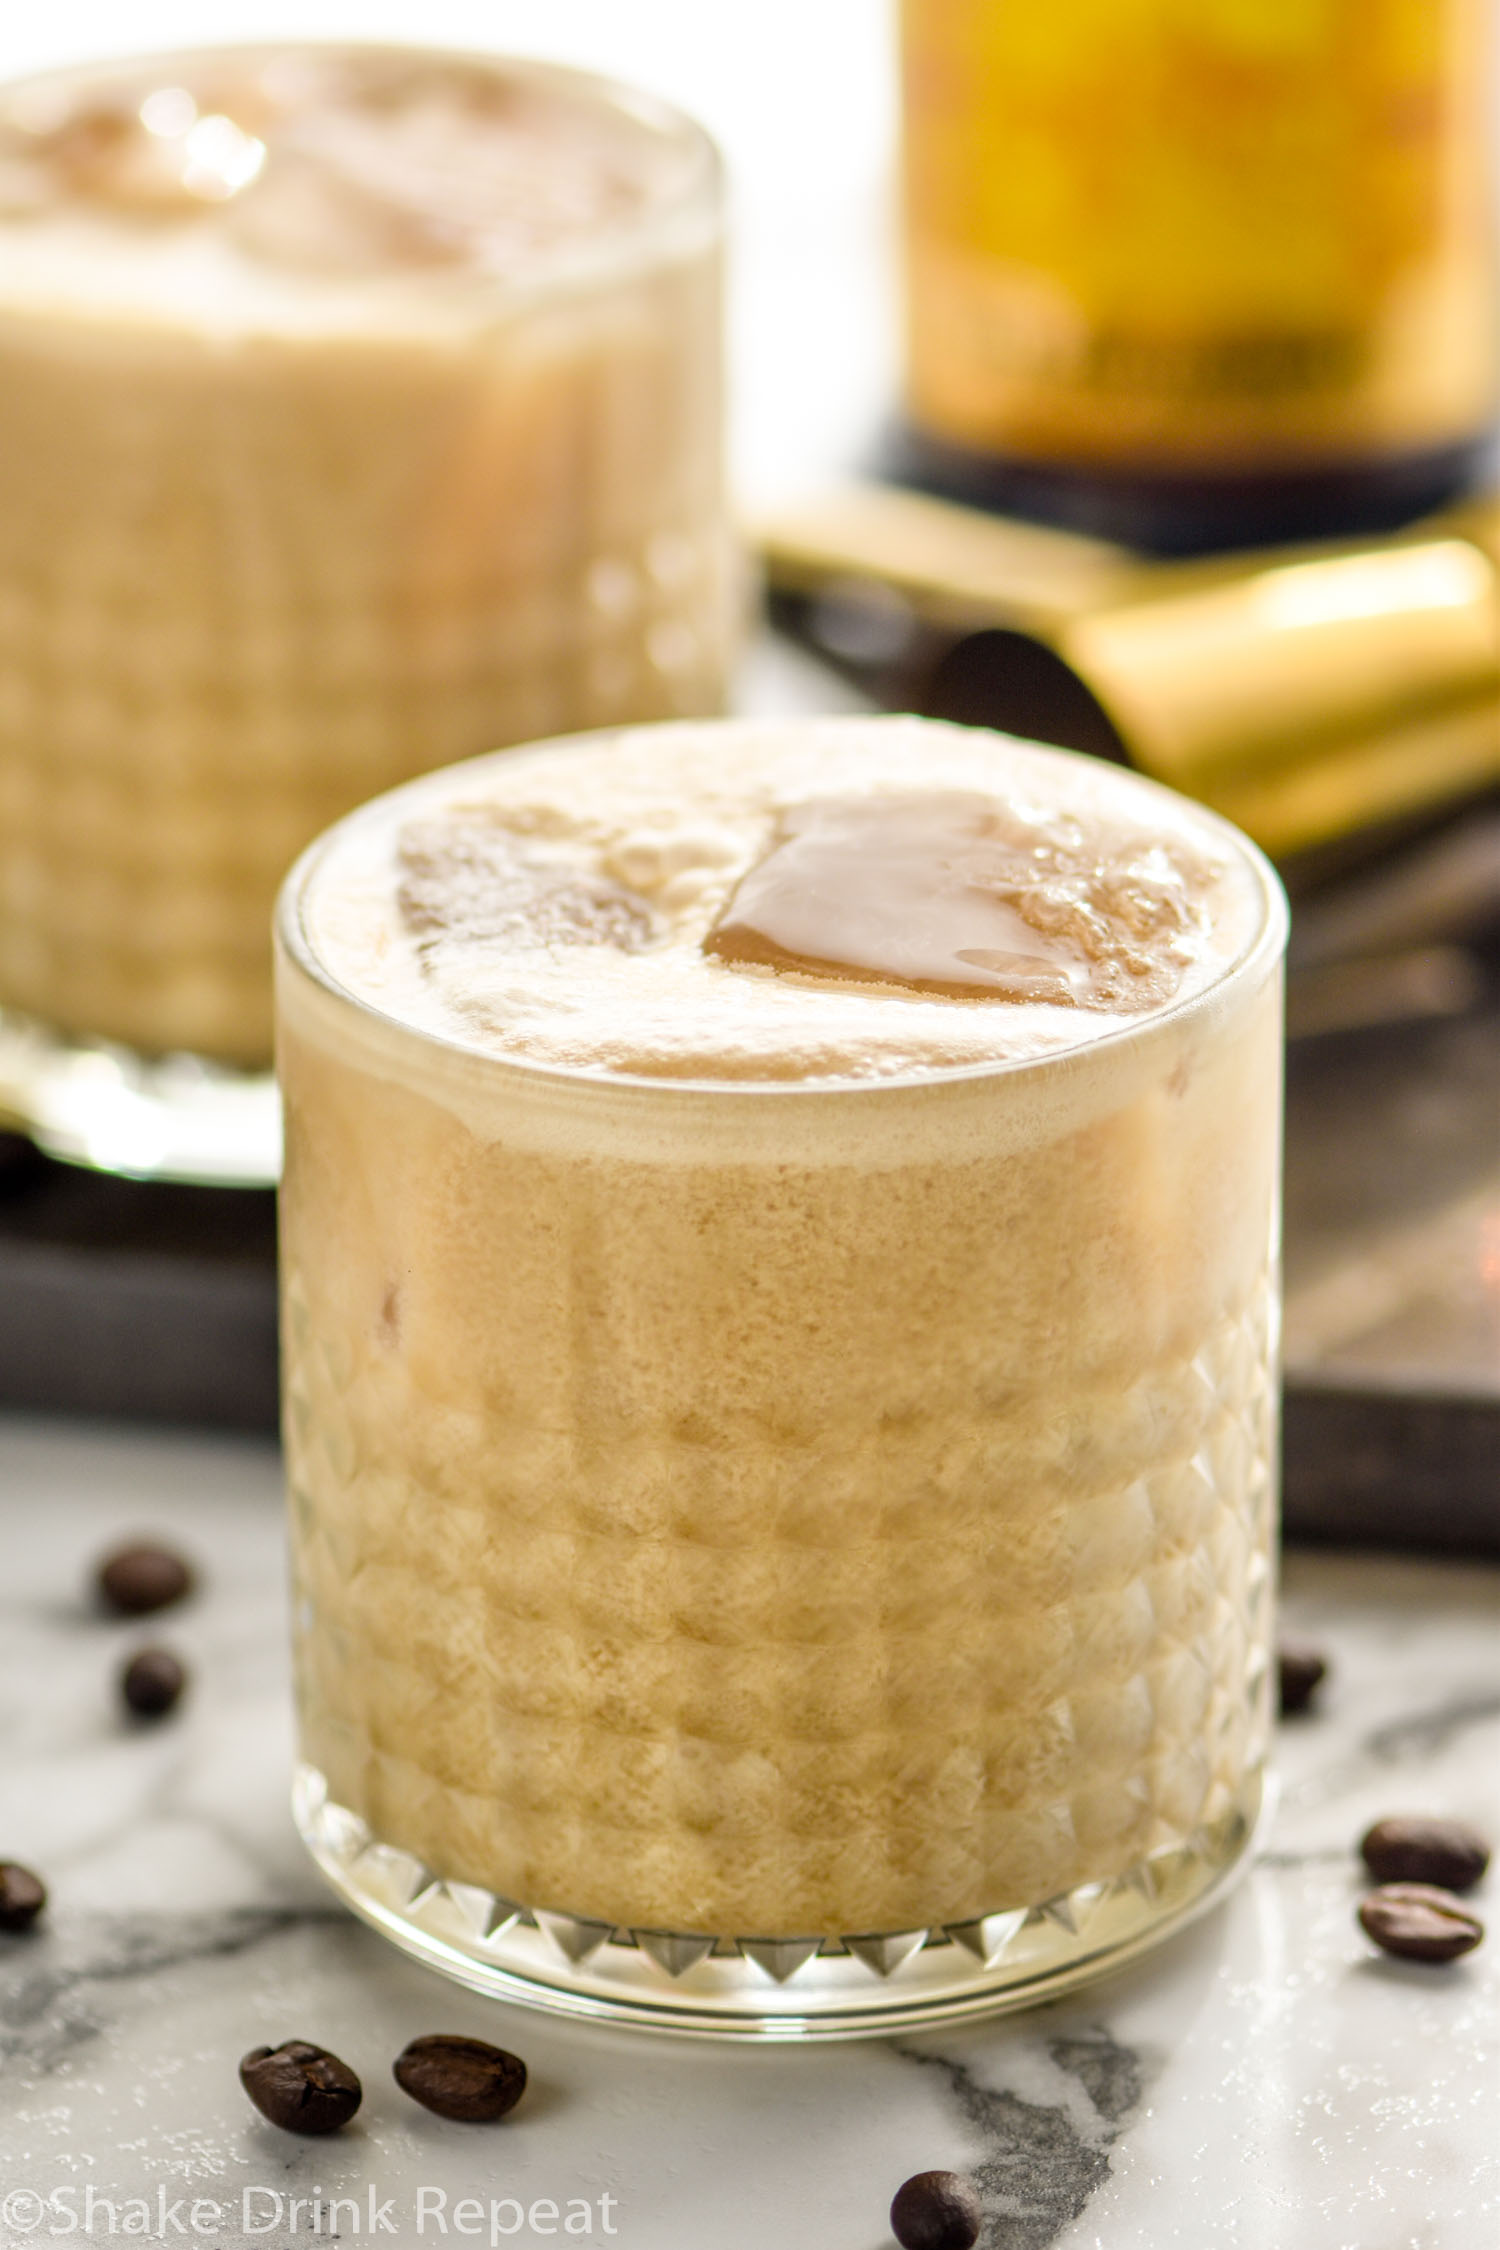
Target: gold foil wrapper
1305	693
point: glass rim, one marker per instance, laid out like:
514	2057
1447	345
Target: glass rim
1263	949
616	247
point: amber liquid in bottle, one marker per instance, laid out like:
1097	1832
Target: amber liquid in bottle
1196	278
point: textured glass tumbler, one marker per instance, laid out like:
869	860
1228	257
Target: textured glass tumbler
283	527
781	1559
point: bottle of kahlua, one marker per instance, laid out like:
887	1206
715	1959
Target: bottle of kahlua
1196	273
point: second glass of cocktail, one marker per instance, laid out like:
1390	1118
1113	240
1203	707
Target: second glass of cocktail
359	411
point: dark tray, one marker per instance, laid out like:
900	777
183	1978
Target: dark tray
130	1298
1392	1421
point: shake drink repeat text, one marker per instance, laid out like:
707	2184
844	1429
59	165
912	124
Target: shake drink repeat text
272	2214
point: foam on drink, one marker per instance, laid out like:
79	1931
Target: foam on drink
247	186
732	905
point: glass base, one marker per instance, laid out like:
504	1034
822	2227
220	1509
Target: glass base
772	1988
172	1117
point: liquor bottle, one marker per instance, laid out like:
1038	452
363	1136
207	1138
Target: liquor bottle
1197	273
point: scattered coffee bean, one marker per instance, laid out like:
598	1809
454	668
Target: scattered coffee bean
1419	1922
300	2087
22	1895
460	2078
936	2211
1418	1848
152	1682
136	1580
1302	1671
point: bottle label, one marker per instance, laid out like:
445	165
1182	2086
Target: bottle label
1243	233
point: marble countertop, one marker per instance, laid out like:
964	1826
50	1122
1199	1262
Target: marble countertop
1265	2082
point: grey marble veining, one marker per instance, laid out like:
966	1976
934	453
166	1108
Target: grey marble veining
1263	2083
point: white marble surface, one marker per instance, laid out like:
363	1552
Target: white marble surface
1265	2083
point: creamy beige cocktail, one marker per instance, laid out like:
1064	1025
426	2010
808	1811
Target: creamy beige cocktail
779	1231
359	411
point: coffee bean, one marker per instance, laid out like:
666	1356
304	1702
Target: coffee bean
1302	1671
1418	1848
1419	1922
460	2078
136	1580
936	2211
22	1895
152	1682
300	2087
